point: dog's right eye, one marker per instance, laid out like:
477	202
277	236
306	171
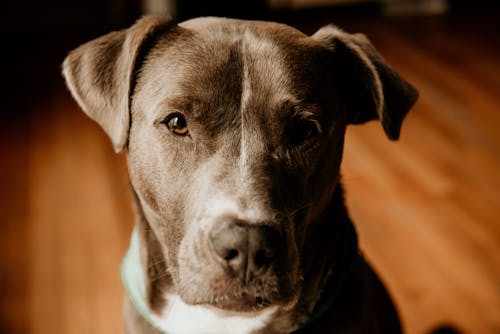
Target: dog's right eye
177	124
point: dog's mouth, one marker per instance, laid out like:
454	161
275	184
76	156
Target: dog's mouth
241	303
248	300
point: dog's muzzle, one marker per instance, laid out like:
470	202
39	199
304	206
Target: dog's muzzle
251	259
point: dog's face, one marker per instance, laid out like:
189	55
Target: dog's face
237	126
235	134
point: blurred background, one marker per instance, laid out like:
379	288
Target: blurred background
427	207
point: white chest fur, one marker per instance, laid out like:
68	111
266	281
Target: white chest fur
181	318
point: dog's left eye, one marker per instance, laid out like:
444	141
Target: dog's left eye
177	124
302	131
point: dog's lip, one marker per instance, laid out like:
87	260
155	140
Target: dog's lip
239	303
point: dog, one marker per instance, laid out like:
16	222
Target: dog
234	133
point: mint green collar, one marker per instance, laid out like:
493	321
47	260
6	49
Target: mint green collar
133	279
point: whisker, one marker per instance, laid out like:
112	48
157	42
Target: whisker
297	210
161	261
160	275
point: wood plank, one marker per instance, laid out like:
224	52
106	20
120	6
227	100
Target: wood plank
79	225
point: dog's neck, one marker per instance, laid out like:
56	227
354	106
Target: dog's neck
332	243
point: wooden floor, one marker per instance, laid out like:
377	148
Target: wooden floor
427	207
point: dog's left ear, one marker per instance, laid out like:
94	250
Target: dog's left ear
372	88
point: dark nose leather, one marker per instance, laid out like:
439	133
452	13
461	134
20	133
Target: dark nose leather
245	249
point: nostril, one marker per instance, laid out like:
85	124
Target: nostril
230	243
231	254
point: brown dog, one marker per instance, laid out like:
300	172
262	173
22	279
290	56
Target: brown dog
234	132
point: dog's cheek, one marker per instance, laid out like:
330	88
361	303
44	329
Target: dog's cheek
319	182
324	173
158	180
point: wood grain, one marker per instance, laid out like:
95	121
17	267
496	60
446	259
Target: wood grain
427	207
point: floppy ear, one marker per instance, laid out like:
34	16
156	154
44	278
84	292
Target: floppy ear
100	75
372	88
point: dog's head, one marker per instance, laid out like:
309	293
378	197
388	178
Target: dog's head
234	131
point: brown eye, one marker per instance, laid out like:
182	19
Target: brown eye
177	124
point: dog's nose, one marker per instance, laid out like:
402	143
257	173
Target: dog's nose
245	249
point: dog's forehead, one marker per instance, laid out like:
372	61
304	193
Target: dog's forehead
260	43
226	65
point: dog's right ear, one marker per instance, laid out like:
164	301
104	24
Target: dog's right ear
370	87
100	74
